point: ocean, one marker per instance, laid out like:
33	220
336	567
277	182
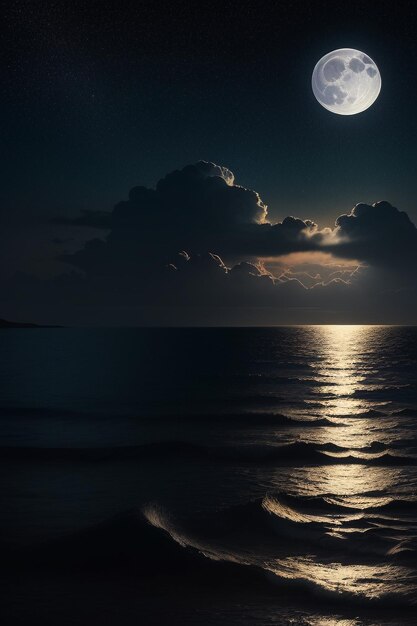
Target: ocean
257	476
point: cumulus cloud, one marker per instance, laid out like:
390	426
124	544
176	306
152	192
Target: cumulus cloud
379	234
201	209
198	208
198	239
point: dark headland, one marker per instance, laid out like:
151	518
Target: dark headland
10	324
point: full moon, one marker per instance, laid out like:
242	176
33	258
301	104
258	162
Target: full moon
346	81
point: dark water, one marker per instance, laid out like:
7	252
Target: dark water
216	476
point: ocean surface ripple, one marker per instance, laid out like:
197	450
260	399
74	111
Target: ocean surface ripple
263	476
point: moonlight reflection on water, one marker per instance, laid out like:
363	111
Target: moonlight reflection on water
293	456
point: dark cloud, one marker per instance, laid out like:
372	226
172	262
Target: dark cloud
198	208
379	234
200	241
200	289
203	194
201	209
93	219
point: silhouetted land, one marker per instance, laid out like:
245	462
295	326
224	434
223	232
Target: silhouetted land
9	324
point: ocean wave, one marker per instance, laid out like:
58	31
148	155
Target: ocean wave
292	454
406	412
386	392
252	418
237	417
148	543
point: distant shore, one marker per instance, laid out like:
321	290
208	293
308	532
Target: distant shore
10	324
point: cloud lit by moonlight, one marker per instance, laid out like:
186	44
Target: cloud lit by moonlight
346	81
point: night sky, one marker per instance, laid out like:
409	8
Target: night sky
99	97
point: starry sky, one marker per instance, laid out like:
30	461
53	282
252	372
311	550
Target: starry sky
100	97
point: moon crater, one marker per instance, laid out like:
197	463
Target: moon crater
346	81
